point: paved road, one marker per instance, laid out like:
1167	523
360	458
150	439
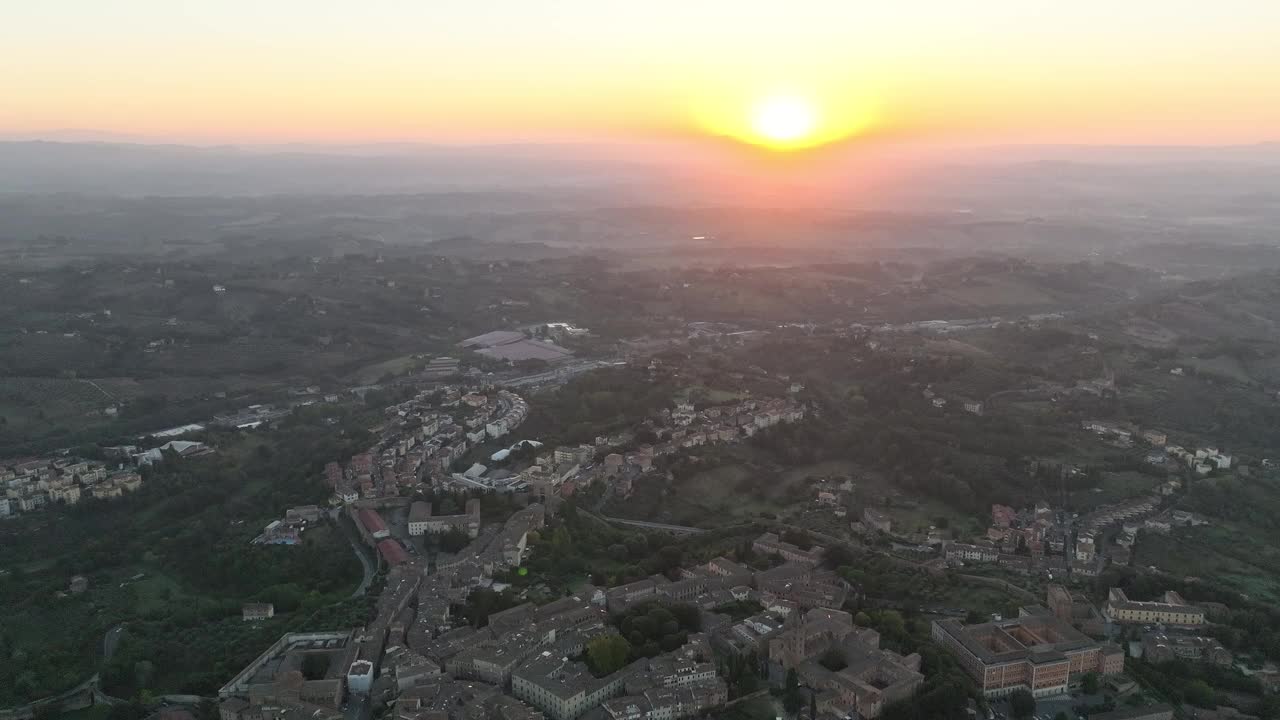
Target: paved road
358	707
81	696
558	375
111	641
678	529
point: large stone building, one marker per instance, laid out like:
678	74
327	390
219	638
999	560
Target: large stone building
423	522
804	585
1075	610
1158	647
668	703
770	544
1170	610
276	677
871	678
561	688
1038	653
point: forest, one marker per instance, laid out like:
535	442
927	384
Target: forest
173	563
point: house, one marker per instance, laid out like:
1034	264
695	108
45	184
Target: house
580	455
827	498
1002	516
1155	437
68	494
252	612
970	553
733	572
304	513
877	520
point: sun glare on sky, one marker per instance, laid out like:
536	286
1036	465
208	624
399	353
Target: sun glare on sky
782	121
787	120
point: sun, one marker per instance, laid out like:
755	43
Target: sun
784	121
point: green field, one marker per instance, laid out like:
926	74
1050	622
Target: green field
27	401
1223	553
374	373
713	396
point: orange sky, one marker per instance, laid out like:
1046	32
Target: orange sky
1139	71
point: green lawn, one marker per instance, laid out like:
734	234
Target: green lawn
373	373
703	393
1218	553
927	513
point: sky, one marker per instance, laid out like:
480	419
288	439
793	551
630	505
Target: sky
484	71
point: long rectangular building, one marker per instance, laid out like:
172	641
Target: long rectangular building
771	544
1171	610
1038	653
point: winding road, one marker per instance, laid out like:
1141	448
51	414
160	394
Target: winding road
84	695
676	529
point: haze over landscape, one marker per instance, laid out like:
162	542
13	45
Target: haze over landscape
596	361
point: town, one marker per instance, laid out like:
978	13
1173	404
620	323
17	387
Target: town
834	519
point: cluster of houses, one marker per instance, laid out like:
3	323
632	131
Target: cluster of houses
799	624
520	666
684	426
973	407
1052	541
424	435
33	483
1201	461
562	471
418	661
689	427
390	657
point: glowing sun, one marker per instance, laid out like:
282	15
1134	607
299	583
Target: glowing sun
784	121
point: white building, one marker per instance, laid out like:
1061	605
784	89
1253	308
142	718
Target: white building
360	677
496	429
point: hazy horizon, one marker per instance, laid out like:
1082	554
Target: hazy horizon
496	72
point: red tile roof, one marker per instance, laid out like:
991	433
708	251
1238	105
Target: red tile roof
392	552
372	521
